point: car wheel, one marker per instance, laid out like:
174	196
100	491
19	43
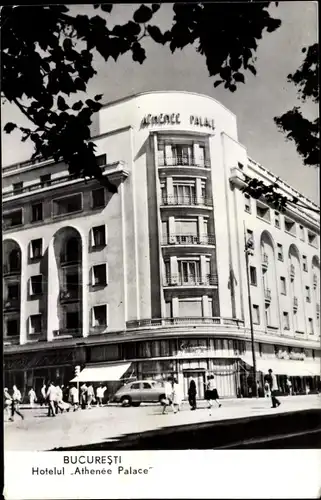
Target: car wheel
126	401
137	403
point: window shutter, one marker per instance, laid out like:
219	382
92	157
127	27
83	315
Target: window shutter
107	319
30	250
29	325
106	273
106	234
30	286
92	317
92	282
92	239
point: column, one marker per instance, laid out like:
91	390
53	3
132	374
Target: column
169	189
198	191
200	225
53	294
205	306
175	307
168	155
85	288
171	229
203	268
196	153
24	283
173	270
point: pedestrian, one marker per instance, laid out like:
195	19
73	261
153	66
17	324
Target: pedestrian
267	392
211	393
90	396
100	392
32	397
274	389
7	400
16	400
83	396
74	397
289	386
43	394
177	395
192	394
258	389
168	400
52	398
59	404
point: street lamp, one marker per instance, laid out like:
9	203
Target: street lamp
249	245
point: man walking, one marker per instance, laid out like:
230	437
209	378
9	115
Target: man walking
16	400
52	397
43	394
274	389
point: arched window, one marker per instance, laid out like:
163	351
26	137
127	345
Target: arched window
14	260
72	253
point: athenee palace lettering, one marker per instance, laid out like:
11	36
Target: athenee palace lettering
175	119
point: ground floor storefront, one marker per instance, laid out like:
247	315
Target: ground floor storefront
230	361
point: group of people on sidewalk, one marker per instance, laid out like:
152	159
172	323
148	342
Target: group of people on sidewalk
12	403
174	394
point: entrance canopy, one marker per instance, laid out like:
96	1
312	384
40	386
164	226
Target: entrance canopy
292	368
102	373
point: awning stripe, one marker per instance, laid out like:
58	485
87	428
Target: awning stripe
292	368
102	373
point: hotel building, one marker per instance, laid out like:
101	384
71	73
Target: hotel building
155	275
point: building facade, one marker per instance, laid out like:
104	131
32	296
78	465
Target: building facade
155	274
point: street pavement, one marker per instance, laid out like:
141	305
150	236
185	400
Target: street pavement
37	432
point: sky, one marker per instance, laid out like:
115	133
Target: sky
255	104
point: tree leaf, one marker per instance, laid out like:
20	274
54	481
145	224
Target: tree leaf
77	106
61	103
80	84
156	34
9	127
239	77
217	83
98	97
252	69
143	14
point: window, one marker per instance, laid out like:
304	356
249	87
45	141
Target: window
99	316
189	272
301	232
36	249
35	323
67	205
45	180
12	219
277	220
184	194
101	160
182	154
289	226
13	327
256	314
17	188
267	316
73	320
312	239
98	198
247	203
250	238
280	252
263	212
14	261
35	285
13	291
253	276
99	275
37	212
146	385
283	285
311	331
186	231
98	236
190	308
307	294
305	263
135	386
286	321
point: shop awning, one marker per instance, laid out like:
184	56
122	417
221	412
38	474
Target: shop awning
102	373
292	368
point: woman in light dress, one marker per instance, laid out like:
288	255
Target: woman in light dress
32	397
177	395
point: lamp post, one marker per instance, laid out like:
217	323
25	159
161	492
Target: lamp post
249	251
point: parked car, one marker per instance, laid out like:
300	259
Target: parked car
140	391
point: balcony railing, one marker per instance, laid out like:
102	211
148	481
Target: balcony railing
189	239
190	201
203	320
67	332
70	295
295	303
267	295
292	271
178	280
97	330
12	339
183	161
69	260
265	261
11	305
11	271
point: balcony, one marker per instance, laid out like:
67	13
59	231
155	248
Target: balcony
295	303
183	161
187	201
67	333
68	260
265	261
97	330
267	296
189	239
292	271
11	271
178	280
70	295
177	321
315	280
12	340
11	305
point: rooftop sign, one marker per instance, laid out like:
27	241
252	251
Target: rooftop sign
175	119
